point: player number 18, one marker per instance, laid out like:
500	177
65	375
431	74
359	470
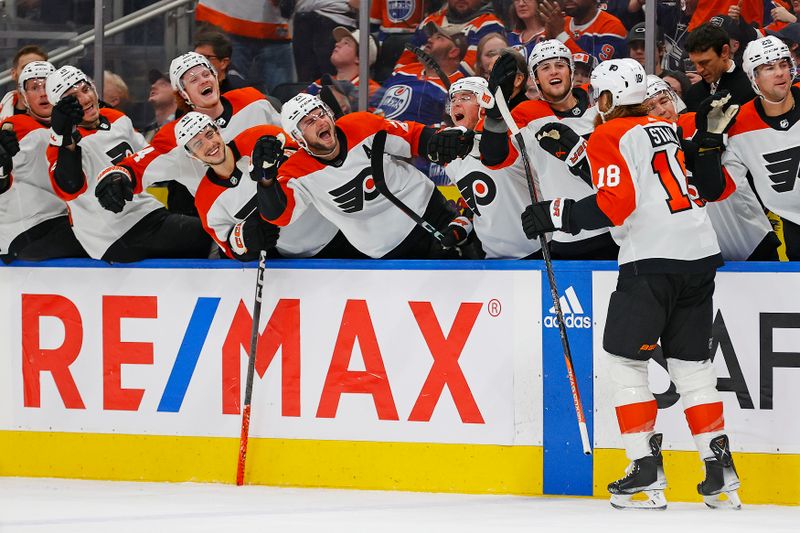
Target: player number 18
608	176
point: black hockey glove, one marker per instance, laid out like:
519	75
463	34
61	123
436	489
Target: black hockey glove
715	115
563	143
456	232
503	74
67	114
114	188
250	236
9	147
446	145
267	155
543	217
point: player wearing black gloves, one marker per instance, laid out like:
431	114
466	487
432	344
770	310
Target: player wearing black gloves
9	146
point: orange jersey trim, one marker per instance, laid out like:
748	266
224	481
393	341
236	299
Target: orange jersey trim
245	28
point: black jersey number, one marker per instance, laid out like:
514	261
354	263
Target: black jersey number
119	152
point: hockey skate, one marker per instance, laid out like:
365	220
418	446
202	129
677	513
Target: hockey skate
718	489
645	475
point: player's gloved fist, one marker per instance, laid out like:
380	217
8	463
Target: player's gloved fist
114	188
267	155
67	113
250	236
559	140
543	217
716	114
456	232
9	146
503	74
448	144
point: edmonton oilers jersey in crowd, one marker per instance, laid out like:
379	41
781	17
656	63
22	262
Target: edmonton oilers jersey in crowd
396	16
525	48
412	94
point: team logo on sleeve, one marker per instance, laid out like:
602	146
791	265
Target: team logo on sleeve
400	10
351	196
783	167
478	189
395	101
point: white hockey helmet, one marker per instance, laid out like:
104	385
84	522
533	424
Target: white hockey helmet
550	49
625	79
190	125
181	64
62	80
475	85
33	71
656	86
296	109
763	51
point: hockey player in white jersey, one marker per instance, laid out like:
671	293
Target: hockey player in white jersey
84	140
764	144
667	263
497	195
333	173
226	198
34	224
561	108
742	228
194	79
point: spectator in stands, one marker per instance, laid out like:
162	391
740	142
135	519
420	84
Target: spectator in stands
636	46
752	11
412	92
397	20
259	33
790	34
470	17
584	65
586	28
11	103
217	48
710	51
489	47
344	58
162	100
115	91
739	34
527	26
314	21
678	80
629	12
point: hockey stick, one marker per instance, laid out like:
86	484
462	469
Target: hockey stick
251	366
430	63
500	102
376	161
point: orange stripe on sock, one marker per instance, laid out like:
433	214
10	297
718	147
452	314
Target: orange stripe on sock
705	417
637	417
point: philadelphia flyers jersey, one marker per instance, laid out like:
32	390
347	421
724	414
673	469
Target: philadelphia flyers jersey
767	150
552	175
224	202
346	194
604	36
95	227
163	160
737	216
497	196
30	200
638	170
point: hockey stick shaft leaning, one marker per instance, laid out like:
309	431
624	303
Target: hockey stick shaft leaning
429	62
376	161
251	366
500	102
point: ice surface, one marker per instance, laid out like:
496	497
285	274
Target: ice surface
65	506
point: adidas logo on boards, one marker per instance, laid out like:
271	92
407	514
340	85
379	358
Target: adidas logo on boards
573	312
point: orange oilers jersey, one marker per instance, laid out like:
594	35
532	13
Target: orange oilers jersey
224	202
95	227
30	200
346	194
397	16
638	170
497	196
604	36
163	160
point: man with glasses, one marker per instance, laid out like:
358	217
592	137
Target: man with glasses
226	200
85	140
217	48
34	223
333	173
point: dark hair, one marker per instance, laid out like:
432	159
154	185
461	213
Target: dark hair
683	79
29	49
218	41
705	37
515	23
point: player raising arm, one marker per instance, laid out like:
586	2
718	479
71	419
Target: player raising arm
667	263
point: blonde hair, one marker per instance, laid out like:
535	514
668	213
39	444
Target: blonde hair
111	79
